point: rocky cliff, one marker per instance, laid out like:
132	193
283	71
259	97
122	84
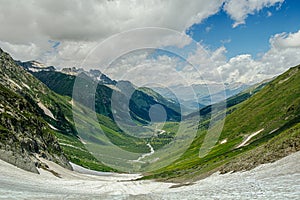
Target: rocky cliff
24	134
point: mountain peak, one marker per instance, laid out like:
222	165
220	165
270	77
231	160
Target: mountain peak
34	66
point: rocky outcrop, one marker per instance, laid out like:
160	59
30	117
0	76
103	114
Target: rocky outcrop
24	133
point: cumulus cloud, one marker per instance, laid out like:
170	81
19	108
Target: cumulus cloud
76	24
286	40
29	29
143	70
240	9
209	66
207	61
94	19
284	53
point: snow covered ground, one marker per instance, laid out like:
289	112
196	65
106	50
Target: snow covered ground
279	180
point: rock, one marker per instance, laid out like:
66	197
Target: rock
23	162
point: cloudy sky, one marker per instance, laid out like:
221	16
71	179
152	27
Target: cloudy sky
241	40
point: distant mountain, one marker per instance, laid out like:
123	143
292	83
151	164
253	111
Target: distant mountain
95	74
262	122
140	101
198	95
262	125
232	101
62	82
35	66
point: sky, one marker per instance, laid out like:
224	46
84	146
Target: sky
190	42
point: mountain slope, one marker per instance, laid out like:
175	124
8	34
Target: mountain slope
139	103
267	124
53	109
58	111
24	132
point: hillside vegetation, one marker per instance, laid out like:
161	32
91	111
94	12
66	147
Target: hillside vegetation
267	124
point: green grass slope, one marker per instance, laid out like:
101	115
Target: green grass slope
273	112
139	104
14	78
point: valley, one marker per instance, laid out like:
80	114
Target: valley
150	100
259	125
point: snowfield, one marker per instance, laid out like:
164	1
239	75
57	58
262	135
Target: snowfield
279	180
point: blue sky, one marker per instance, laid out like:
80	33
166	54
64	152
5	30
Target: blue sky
247	40
252	37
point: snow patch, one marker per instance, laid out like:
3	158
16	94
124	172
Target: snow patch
37	64
69	145
82	141
282	81
249	138
46	110
273	130
278	180
223	141
25	85
52	127
18	86
113	87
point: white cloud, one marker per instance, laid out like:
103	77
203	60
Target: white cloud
92	20
27	26
286	40
79	25
76	24
269	14
240	9
284	53
142	70
241	68
207	61
22	51
208	29
209	65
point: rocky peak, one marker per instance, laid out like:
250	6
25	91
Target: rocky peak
35	66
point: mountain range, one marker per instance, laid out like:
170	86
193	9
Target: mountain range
39	109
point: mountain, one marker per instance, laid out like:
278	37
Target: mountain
200	95
62	82
95	74
260	129
262	124
35	66
25	135
205	112
47	119
59	112
140	101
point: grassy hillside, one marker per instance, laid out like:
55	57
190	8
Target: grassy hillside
54	112
262	125
272	113
24	133
139	103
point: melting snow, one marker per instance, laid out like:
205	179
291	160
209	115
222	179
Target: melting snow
249	138
15	84
46	110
